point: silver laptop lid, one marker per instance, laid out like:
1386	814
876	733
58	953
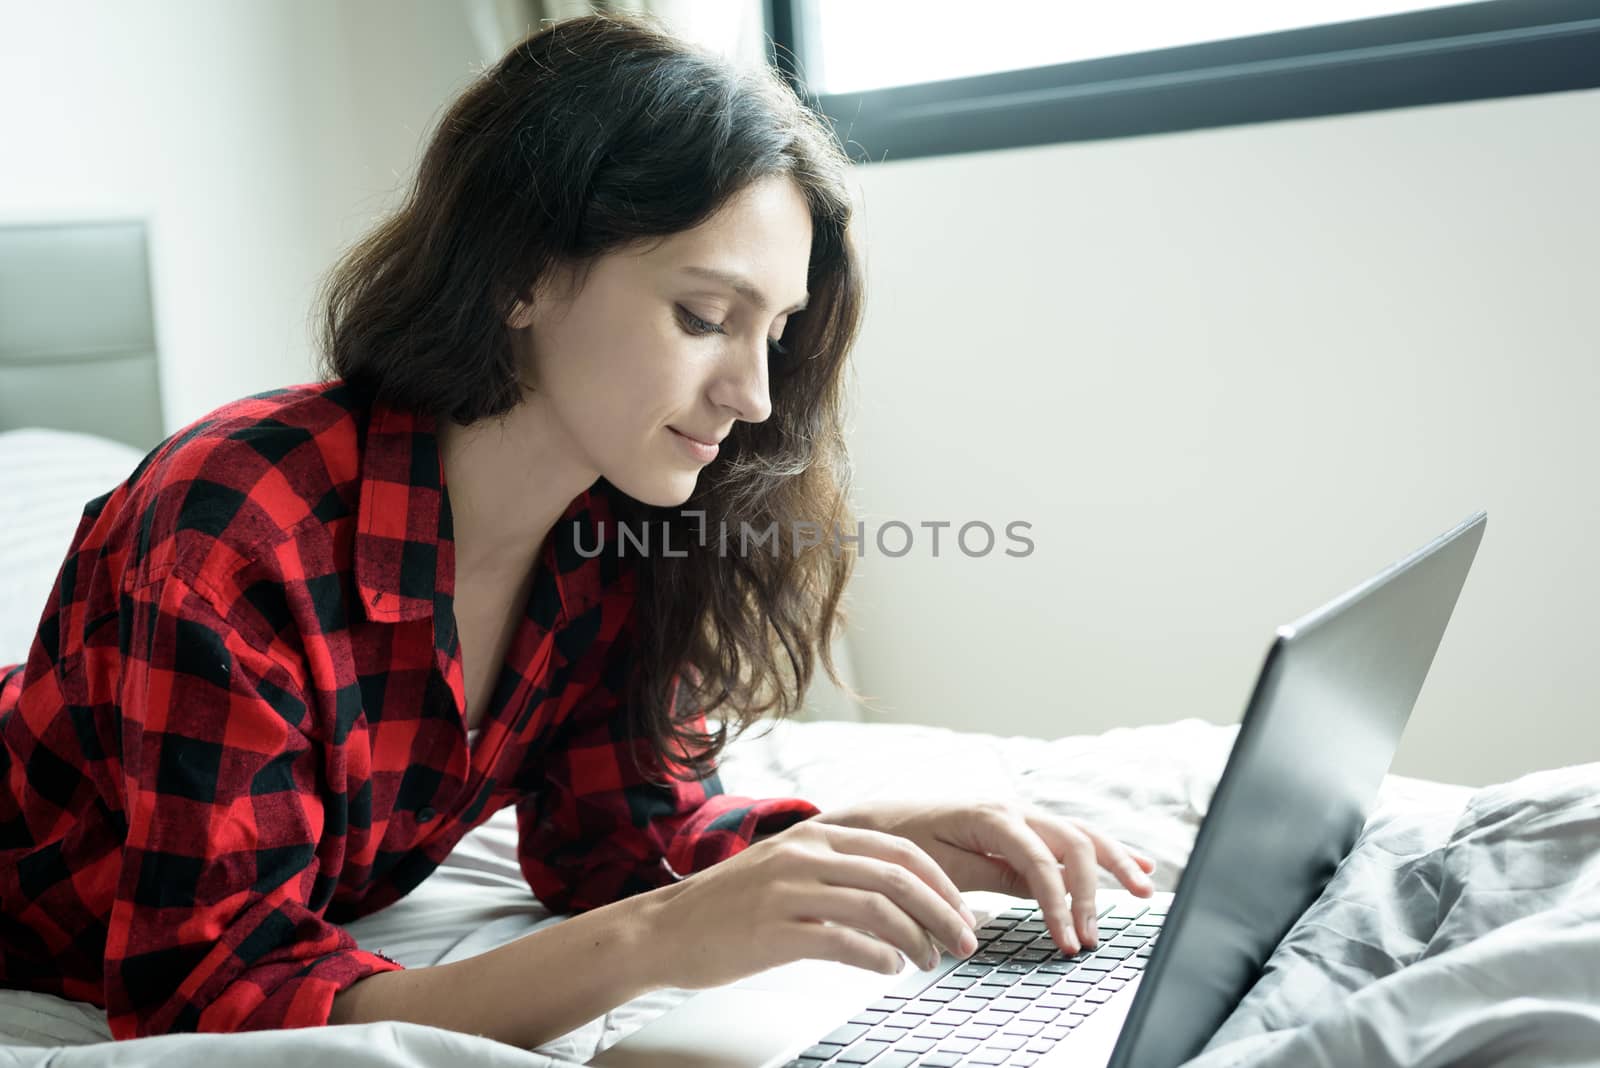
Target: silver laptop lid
1317	738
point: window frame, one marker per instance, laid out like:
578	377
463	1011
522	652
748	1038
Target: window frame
1474	51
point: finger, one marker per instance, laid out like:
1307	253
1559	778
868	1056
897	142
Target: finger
908	892
904	853
1037	865
1081	874
1119	860
873	913
816	941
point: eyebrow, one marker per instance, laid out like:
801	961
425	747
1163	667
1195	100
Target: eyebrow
744	287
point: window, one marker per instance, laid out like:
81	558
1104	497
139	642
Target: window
906	78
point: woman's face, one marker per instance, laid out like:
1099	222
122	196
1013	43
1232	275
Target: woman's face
652	347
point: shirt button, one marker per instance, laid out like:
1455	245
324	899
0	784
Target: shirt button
425	815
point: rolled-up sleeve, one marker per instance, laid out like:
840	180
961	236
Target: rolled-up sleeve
598	831
216	922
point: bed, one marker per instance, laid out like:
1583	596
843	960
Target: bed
1463	928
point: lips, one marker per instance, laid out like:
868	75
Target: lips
693	437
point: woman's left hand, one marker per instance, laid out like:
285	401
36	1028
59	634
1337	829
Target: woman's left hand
1014	848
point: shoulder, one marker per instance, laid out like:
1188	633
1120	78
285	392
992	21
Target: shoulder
237	482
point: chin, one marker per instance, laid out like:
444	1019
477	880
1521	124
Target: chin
661	492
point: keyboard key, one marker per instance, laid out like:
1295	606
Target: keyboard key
888	1033
922	1008
938	995
1056	1001
887	1004
1118	953
1071	987
989	1056
869	1017
958	1045
803	1062
1025	1028
955	982
1135	961
939	1060
819	1052
1037	979
914	1045
971	1004
1009	1043
1144	929
862	1052
976	1031
1112	984
843	1036
1131	910
977	971
895	1059
1129	941
1097	997
933	1031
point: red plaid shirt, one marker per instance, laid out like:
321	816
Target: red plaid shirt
241	724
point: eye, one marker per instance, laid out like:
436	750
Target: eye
696	325
699	327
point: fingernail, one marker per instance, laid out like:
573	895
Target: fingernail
966	914
968	944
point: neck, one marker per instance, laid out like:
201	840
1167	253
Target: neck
509	481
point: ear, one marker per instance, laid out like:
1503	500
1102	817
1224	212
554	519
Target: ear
552	284
521	314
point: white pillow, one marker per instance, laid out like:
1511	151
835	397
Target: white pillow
46	477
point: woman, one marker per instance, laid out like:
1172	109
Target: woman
322	633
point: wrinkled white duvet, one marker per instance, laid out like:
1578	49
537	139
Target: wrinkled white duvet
1452	935
1521	869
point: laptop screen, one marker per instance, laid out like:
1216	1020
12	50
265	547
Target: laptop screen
1317	738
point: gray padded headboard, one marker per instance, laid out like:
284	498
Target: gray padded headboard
77	331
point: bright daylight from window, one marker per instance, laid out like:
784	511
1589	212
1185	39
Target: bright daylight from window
859	46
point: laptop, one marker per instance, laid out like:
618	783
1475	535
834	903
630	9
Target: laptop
1318	735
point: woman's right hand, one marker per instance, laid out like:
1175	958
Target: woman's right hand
814	890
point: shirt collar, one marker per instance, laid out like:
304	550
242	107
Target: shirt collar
405	548
401	524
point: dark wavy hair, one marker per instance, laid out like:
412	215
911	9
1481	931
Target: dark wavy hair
591	136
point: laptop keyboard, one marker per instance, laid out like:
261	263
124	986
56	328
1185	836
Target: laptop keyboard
1009	1003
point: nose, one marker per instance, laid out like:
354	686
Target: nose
742	385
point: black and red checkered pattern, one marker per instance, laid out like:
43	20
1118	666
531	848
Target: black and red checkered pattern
240	724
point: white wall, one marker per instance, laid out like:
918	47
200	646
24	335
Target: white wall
1226	375
256	138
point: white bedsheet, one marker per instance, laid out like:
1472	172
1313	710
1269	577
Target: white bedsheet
1148	786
